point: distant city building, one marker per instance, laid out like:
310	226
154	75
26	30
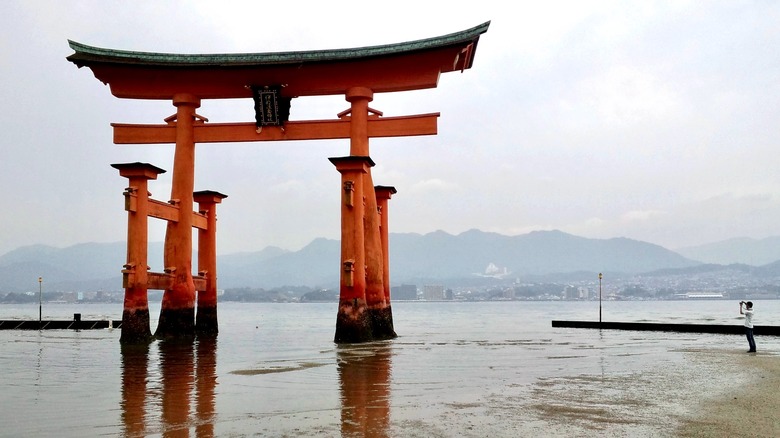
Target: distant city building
576	293
449	294
403	292
571	293
494	271
700	296
433	292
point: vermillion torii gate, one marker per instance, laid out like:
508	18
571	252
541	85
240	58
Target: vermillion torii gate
364	311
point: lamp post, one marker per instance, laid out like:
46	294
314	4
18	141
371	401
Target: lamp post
40	301
600	299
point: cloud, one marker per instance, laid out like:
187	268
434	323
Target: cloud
627	95
288	188
700	221
431	186
642	215
651	120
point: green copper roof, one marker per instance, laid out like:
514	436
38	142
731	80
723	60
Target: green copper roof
87	54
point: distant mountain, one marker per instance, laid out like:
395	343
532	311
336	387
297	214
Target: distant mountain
771	270
732	271
441	255
435	257
316	264
248	259
86	266
745	250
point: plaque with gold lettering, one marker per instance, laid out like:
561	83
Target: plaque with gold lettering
271	108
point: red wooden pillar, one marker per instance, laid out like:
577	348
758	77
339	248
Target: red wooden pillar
359	97
352	320
385	328
135	315
206	318
177	313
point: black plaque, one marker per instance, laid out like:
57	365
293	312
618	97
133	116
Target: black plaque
271	108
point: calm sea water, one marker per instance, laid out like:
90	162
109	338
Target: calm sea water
456	369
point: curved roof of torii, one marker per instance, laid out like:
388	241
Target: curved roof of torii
393	67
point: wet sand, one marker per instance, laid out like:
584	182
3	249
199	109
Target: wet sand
750	410
455	375
710	393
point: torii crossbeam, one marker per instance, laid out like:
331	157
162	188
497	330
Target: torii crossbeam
272	80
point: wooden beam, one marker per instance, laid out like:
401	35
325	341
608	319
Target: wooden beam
163	210
199	221
421	124
167	211
161	281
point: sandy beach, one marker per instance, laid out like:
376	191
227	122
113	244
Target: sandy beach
710	392
749	410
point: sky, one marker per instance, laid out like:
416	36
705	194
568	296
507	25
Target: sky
656	121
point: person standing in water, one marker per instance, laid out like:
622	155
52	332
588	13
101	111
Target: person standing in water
748	312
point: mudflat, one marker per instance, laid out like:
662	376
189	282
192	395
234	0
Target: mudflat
748	410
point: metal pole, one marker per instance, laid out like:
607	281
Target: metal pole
40	301
600	298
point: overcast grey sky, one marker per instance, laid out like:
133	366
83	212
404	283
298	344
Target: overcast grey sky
656	121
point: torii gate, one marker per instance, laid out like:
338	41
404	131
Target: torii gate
272	79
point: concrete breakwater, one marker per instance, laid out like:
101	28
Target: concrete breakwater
74	324
766	330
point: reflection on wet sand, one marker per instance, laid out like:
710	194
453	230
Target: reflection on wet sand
135	365
205	385
183	366
177	372
364	380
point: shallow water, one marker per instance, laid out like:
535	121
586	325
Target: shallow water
456	369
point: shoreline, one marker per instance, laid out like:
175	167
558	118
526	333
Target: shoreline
749	410
694	392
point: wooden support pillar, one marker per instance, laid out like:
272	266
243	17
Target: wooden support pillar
177	313
352	321
135	315
359	97
206	317
385	327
